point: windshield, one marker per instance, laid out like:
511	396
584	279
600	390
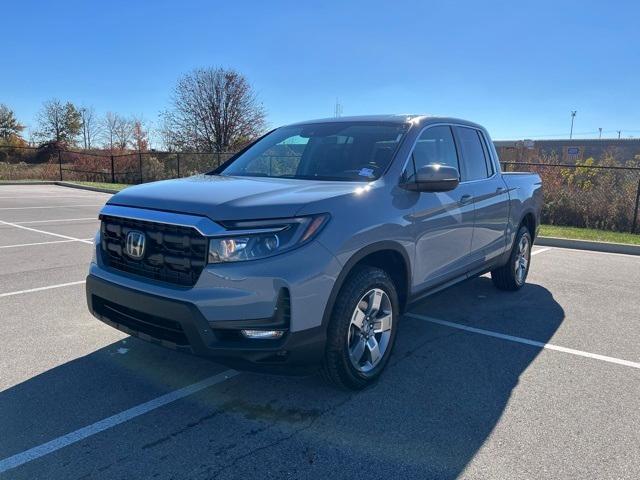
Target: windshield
347	151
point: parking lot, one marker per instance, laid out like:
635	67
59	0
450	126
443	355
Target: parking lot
542	383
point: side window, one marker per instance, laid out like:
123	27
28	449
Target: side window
487	154
473	154
435	145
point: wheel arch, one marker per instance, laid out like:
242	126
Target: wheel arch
388	255
529	220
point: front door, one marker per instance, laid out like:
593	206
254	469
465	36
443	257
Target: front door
443	221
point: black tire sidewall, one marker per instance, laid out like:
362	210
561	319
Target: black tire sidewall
361	282
524	231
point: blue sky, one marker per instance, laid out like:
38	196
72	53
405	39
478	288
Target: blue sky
518	68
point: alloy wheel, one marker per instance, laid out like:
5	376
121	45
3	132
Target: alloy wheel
370	330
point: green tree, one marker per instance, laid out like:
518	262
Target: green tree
10	128
59	122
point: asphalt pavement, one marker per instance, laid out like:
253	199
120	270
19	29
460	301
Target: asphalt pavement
483	384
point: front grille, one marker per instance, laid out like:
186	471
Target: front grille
136	321
173	254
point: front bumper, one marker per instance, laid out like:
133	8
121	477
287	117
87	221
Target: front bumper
180	325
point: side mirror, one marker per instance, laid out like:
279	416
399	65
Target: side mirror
434	178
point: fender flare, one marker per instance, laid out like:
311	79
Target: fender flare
353	261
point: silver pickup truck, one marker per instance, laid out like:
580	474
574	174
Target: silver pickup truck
304	249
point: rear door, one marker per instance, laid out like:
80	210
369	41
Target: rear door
443	221
490	196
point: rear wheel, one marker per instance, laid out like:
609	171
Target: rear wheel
513	275
362	329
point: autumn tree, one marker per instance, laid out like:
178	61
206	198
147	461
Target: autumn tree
140	135
10	128
58	122
213	109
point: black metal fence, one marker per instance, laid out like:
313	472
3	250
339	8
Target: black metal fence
603	195
28	163
588	195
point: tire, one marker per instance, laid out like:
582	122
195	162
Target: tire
345	364
513	275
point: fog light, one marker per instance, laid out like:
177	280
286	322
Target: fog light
262	334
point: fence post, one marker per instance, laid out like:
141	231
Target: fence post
140	164
178	160
60	162
635	212
113	173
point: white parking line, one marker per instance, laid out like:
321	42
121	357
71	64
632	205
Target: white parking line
44	243
39	289
542	250
51	206
597	252
2	222
26	197
32	222
102	425
525	341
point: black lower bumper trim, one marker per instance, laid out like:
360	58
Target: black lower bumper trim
181	326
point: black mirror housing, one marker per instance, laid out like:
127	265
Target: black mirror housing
434	178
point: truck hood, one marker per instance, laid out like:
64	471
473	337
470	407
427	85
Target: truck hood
232	198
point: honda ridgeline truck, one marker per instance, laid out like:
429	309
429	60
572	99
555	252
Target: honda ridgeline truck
304	249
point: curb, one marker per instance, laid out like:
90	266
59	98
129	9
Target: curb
27	182
62	184
85	187
606	247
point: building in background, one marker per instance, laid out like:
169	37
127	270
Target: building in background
568	151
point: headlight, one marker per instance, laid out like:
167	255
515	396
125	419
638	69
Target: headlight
260	239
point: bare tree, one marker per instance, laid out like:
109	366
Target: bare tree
123	133
91	127
213	109
108	129
58	122
117	131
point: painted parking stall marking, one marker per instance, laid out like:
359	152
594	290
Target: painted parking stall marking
66	237
525	341
51	206
110	422
18	245
40	289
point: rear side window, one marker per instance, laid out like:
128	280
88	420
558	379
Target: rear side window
487	155
473	154
435	145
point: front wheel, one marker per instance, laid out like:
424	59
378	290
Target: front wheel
362	329
513	275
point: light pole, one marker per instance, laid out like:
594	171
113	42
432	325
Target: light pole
619	132
84	126
573	116
600	134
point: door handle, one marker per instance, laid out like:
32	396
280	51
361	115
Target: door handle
465	199
499	190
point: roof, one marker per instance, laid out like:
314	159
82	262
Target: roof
389	118
392	118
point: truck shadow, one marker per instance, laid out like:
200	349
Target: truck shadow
444	392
